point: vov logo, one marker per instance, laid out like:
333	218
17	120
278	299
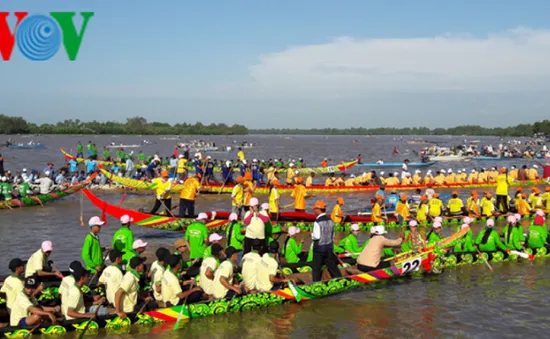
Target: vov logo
39	36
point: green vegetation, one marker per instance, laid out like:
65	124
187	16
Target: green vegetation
137	125
523	130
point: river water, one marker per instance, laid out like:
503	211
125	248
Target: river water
466	302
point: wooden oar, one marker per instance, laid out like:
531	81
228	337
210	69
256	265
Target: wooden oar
29	334
484	260
523	255
177	324
88	323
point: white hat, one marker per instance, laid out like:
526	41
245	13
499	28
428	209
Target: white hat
365	174
407	174
325	159
438	219
355	227
379	162
413	223
436	225
442	171
244	161
352	176
228	163
467	220
382	173
513	167
490	223
535	166
512	219
125	219
180	156
47	173
139	244
450	170
254	202
214	237
202	216
459	171
265	206
395	174
96	221
429	172
473	170
233	217
255	160
379	230
517	216
463	170
417	171
208	157
47	246
24	169
293	230
291	164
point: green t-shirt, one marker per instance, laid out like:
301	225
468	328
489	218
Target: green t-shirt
123	239
23	189
196	235
5	190
468	244
536	238
79	148
434	238
91	252
493	241
141	156
349	243
292	250
127	256
234	236
513	237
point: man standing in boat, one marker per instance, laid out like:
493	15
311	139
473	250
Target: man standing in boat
323	243
163	186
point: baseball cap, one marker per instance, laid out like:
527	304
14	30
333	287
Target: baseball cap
139	244
214	237
31	282
254	202
47	246
293	230
233	217
96	221
437	224
490	222
230	251
125	219
379	230
413	223
202	216
355	227
15	263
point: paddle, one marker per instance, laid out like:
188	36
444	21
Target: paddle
522	255
29	334
177	324
484	260
88	323
291	285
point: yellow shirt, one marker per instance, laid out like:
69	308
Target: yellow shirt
309	181
161	187
237	195
523	207
350	182
299	194
130	286
249	272
429	179
330	182
66	284
339	182
267	268
455	205
240	155
532	174
205	283
247	195
406	181
12	287
473	177
439	179
491	176
392	181
111	278
170	288
473	206
270	173
190	187
336	211
21	307
273	197
181	165
225	270
502	184
482	177
75	301
376	214
536	201
513	174
417	179
450	179
290	176
402	208
435	207
487	207
421	213
36	263
546	200
157	274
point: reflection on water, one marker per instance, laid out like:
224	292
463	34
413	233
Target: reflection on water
465	302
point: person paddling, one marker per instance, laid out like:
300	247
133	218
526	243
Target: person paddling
25	309
224	287
488	240
513	234
172	292
123	239
112	276
208	269
267	278
13	285
92	254
68	280
126	297
369	259
163	198
537	234
37	265
74	307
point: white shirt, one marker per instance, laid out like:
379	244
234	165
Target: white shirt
45	184
316	233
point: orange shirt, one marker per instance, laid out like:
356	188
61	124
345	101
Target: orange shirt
190	188
247	193
299	194
336	211
324	163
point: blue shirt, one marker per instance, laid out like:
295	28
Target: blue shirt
392	200
91	166
197	164
73	166
209	168
115	169
255	172
59	179
48	169
380	192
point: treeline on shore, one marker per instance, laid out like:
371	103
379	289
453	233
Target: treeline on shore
132	126
522	130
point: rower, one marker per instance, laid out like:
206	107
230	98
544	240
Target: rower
213	239
292	251
412	240
255	167
123	239
45	183
255	226
513	173
172	292
243	167
417	178
337	215
309	180
331	180
157	272
535	199
188	195
248	190
5	189
69	280
323	243
223	277
126	297
513	234
240	154
138	247
341	180
473	205
249	264
112	276
422	211
451	177
440	177
369	259
488	239
73	307
227	173
163	186
455	205
392	199
267	279
237	197
429	179
532	173
300	195
197	236
350	244
37	263
402	209
352	181
435	205
487	205
25	309
324	163
522	206
233	233
467	245
208	269
406	180
209	170
482	176
13	285
91	250
537	235
434	236
392	180
376	211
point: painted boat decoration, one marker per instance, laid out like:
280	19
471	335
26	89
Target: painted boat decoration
41	199
396	164
216	188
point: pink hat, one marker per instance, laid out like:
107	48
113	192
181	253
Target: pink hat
464	225
265	206
96	221
214	237
540	212
47	246
254	202
233	217
517	216
202	216
125	219
539	221
139	244
438	219
467	220
512	219
293	230
490	223
413	223
437	224
355	227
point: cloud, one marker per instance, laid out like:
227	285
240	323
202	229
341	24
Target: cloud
513	60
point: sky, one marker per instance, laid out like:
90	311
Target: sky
291	64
